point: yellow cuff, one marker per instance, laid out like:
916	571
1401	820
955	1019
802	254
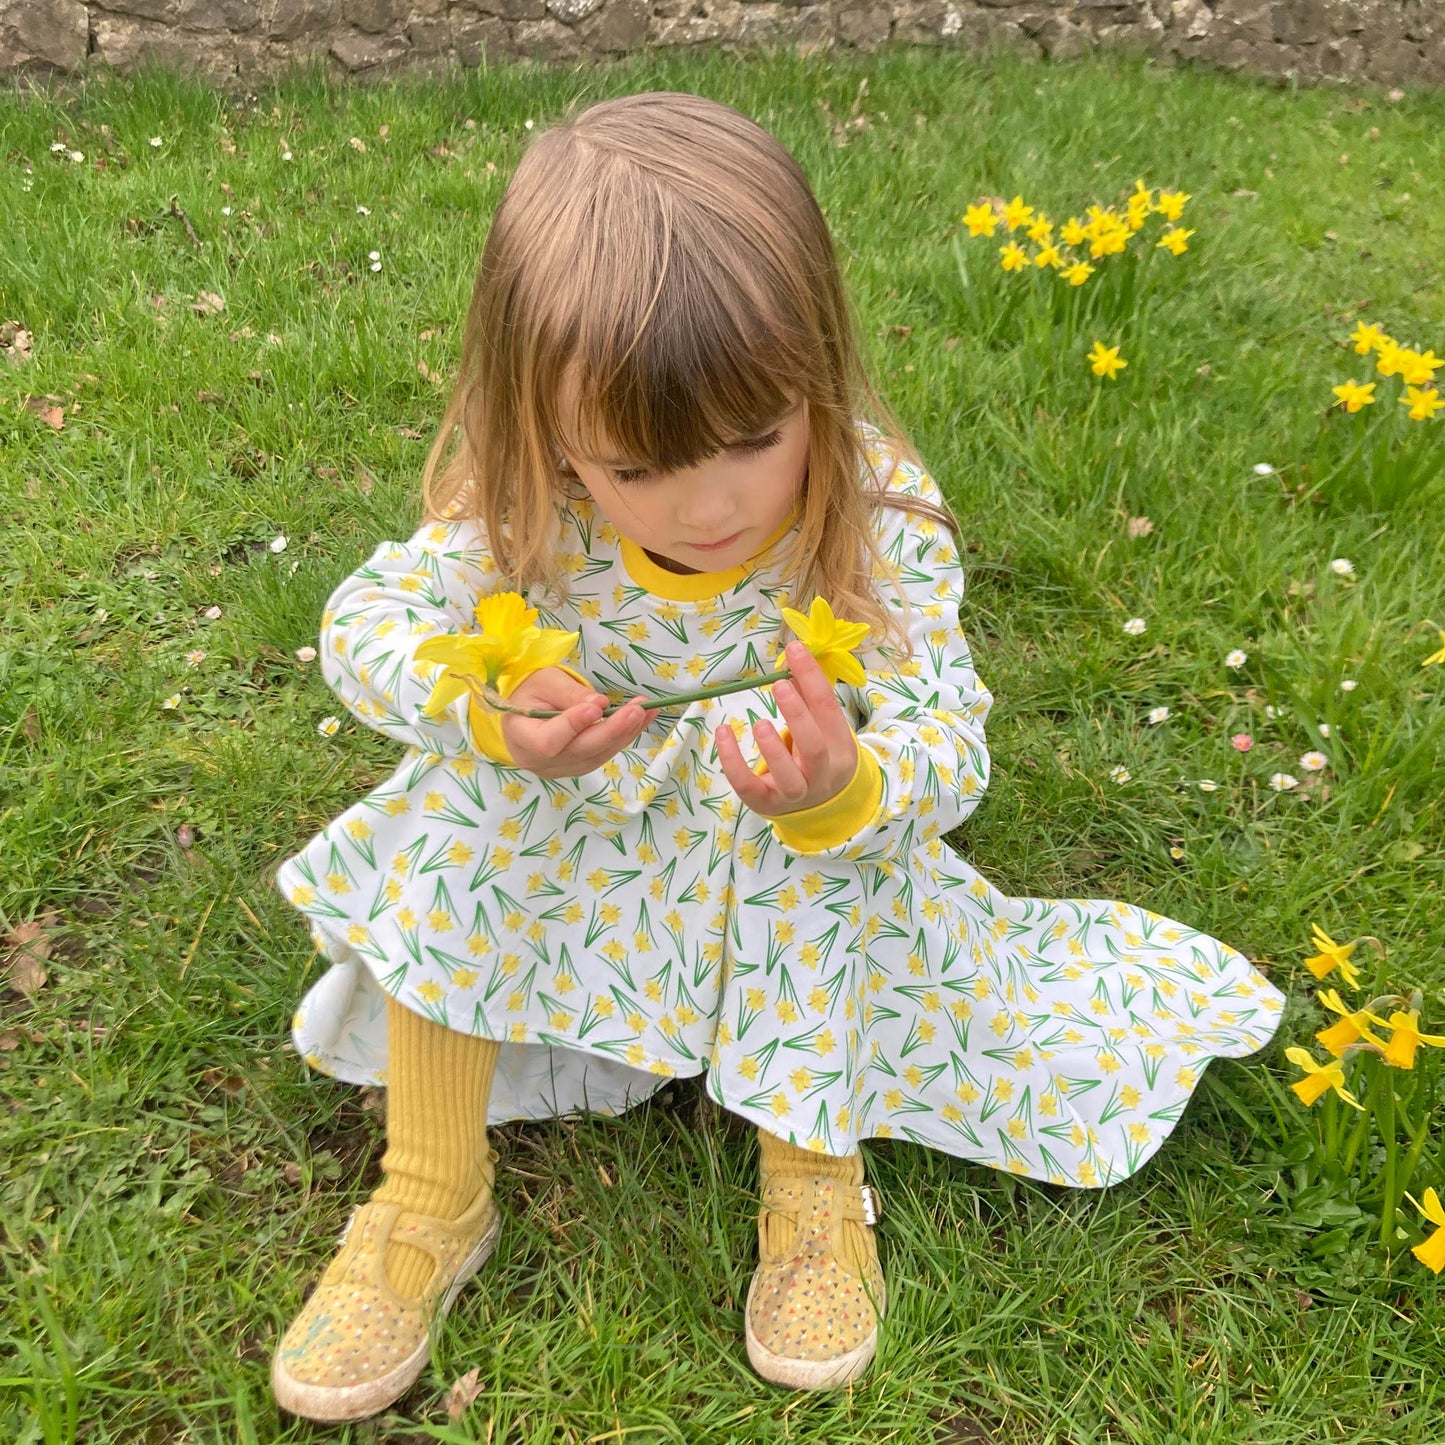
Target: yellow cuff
825	825
486	725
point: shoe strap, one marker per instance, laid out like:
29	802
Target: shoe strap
374	1226
792	1196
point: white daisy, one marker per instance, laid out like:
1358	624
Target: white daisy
212	613
1342	567
328	726
173	701
156	141
1208	785
1324	730
1282	782
1263	469
363	210
1348	685
1134	626
1313	762
1158	714
1236	659
306	654
278	544
195	657
1120	775
1176	852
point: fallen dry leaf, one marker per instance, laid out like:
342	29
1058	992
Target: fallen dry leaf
10	1040
27	947
410	432
208	303
427	374
50	410
1140	526
224	1079
462	1393
364	480
291	1173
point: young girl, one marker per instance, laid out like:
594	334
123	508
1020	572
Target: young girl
661	436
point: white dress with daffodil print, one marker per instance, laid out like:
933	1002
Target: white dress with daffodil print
840	974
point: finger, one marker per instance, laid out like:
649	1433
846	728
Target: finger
749	787
607	737
552	736
809	747
551	687
788	779
817	692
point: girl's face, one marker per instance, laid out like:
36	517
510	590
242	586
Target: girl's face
712	516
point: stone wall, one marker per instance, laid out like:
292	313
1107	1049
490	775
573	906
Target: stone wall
238	42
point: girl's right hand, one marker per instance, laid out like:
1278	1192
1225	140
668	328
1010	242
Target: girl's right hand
579	738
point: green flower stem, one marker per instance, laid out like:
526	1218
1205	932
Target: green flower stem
1387	1128
1372	1068
681	699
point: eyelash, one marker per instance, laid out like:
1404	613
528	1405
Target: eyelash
747	448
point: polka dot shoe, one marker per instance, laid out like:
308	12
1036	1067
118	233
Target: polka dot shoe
357	1344
812	1317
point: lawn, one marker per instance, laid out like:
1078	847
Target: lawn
217	361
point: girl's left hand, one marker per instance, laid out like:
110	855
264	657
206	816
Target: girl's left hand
824	752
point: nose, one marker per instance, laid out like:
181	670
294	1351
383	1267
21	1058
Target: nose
706	508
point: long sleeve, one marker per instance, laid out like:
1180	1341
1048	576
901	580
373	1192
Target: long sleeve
924	759
376	619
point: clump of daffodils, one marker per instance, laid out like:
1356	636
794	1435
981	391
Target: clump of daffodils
1074	248
1415	369
1374	1066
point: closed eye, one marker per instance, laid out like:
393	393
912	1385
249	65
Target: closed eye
751	447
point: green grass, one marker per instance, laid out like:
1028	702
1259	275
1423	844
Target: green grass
173	1180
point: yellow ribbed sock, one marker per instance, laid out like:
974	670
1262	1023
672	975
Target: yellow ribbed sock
437	1085
852	1241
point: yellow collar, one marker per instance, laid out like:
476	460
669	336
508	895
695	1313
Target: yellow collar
693	586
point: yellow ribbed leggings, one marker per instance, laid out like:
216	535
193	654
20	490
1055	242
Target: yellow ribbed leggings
437	1157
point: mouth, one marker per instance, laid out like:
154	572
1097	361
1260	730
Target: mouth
715	546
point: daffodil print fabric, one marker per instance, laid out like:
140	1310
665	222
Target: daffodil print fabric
837	977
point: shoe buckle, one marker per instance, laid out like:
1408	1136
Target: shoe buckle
870	1204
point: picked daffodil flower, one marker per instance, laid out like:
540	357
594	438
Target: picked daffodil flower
508	647
831	640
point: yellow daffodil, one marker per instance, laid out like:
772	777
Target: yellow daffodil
1106	361
1423	403
1367	338
1319	1079
1353	397
830	639
1406	1038
1418	368
1391	359
1016	214
1332	956
1078	273
1351	1027
508	647
1436	657
1042	230
1432	1253
1175	240
981	219
1171	204
1072	233
1013	257
1049	256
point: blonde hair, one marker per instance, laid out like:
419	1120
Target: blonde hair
668	253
